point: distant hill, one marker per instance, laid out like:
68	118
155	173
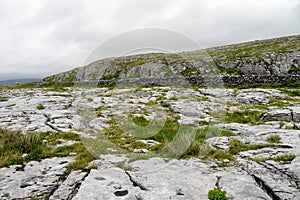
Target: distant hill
20	81
271	57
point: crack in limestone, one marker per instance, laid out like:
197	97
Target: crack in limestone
134	182
48	119
77	186
265	187
53	189
293	179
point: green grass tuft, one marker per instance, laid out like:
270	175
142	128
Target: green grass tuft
284	158
38	146
141	121
274	139
217	194
3	99
243	117
40	107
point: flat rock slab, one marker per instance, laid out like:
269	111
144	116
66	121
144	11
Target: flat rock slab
158	178
35	179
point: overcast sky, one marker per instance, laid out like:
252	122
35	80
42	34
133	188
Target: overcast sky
43	37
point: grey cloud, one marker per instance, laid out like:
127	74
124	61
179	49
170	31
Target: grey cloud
45	37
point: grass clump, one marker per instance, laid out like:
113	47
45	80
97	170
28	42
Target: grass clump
13	145
37	146
124	166
274	139
40	107
55	87
115	75
290	92
141	121
219	155
237	146
283	158
3	99
217	194
243	117
169	130
198	148
190	71
231	71
100	109
294	69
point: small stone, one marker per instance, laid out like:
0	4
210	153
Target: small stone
140	151
117	187
226	161
73	154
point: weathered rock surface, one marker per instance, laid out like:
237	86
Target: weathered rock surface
35	179
158	178
88	111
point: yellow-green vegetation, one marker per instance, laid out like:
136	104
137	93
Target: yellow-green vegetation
55	87
124	166
274	139
219	155
100	109
140	121
283	85
49	87
3	99
294	69
68	76
243	117
217	194
139	156
152	57
287	158
40	107
237	146
280	102
36	146
124	140
255	49
231	71
173	138
115	75
291	92
198	147
190	71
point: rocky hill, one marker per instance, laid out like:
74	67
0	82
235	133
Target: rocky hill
272	57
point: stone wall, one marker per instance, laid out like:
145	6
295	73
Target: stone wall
201	80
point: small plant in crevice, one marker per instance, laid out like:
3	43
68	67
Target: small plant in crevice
217	193
287	158
3	99
274	139
124	166
40	107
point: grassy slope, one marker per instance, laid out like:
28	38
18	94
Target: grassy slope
254	49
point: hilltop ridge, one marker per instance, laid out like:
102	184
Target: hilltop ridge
271	57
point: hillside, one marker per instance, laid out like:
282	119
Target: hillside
272	57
